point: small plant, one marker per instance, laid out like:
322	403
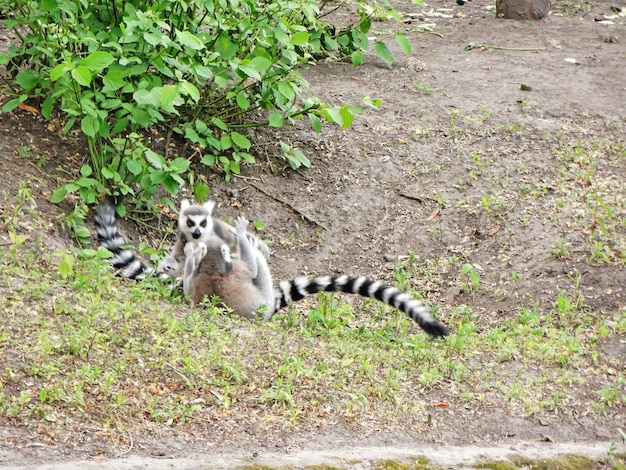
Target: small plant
22	201
423	87
599	254
560	250
472	272
494	204
566	304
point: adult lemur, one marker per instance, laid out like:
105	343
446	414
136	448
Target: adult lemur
195	225
245	284
232	264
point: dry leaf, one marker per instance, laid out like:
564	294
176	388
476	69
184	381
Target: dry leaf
434	214
494	230
30	109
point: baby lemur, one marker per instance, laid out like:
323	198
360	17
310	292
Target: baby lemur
245	284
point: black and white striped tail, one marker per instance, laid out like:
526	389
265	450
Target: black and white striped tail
292	291
124	260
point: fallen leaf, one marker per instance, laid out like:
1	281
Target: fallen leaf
434	214
441	404
494	230
30	109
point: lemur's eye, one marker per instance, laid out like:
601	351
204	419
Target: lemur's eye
203	223
190	223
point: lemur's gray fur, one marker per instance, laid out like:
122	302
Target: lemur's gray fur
195	223
245	284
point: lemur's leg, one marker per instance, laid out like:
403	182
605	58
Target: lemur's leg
247	254
257	264
194	252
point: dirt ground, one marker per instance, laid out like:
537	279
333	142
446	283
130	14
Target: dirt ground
437	170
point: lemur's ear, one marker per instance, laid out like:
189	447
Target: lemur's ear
209	205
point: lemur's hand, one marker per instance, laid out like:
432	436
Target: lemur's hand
241	224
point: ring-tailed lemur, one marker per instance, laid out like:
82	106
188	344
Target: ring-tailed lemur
195	224
245	284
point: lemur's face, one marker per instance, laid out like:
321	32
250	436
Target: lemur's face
195	221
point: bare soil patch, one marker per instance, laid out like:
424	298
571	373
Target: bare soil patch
458	162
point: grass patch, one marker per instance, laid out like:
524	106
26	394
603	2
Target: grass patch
82	348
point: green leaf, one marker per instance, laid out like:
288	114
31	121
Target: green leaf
242	101
98	61
81	75
14	103
365	25
168	95
300	38
208	160
404	43
347	117
48	106
189	40
373	102
157	177
240	140
226	47
333	115
189	89
179	165
134	166
219	123
383	52
226	142
66	266
114	80
48	5
145	97
253	68
120	125
58	71
201	191
316	123
261	64
203	71
82	234
108	174
28	79
286	89
86	170
58	195
89	125
357	58
276	119
154	159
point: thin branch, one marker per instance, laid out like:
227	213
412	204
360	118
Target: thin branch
292	207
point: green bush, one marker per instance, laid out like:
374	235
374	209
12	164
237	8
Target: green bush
205	70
